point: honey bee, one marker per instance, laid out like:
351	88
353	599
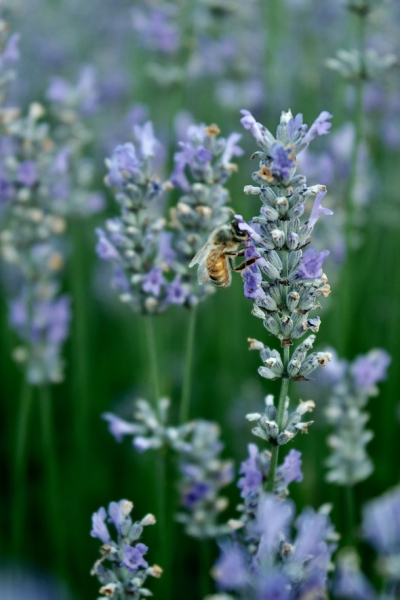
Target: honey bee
216	257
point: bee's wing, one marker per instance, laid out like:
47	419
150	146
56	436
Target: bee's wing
201	255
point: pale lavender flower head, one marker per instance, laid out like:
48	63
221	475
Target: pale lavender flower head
273	518
27	173
252	282
104	248
291	468
99	528
230	571
49	320
231	148
350	581
123	162
117	514
321	126
273	586
119	427
58	90
252	476
145	136
282	162
312	531
176	294
153	281
368	370
165	249
318	210
197	492
381	522
7	189
133	557
249	122
244	226
311	264
11	52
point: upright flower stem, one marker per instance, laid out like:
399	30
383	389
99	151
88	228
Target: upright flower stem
186	386
81	393
161	480
153	360
279	421
19	504
54	509
350	513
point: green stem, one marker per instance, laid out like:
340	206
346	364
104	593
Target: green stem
80	370
350	511
186	386
279	420
153	362
205	566
19	504
54	511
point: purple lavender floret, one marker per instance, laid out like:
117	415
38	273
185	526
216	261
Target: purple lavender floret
231	570
311	265
282	161
133	557
381	523
349	581
291	468
197	492
99	527
11	52
318	210
321	126
153	282
176	293
252	476
27	173
119	427
104	248
370	369
123	162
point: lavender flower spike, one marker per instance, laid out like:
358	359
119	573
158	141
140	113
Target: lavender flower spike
284	283
126	552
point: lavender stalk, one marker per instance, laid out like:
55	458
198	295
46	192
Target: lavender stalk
295	280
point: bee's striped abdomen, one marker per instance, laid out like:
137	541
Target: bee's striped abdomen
218	270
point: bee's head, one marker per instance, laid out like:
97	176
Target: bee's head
238	234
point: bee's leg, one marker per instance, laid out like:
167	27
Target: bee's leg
236	252
243	265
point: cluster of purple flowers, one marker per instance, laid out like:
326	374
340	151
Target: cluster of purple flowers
264	559
202	471
31	231
135	242
43	181
284	282
128	569
352	385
